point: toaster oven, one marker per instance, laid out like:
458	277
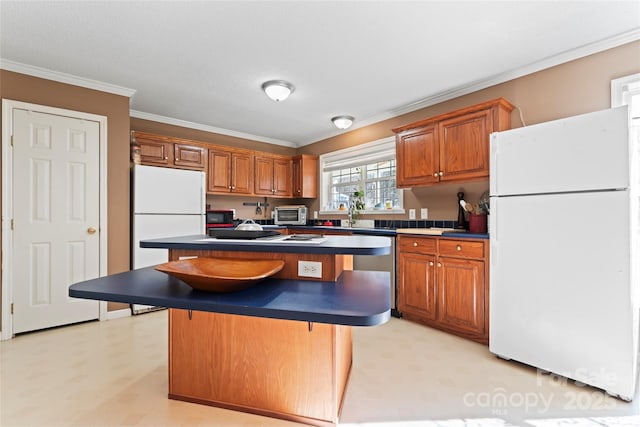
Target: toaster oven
290	215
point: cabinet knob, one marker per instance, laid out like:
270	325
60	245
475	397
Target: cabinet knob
441	173
439	264
177	159
415	244
435	174
233	187
430	263
458	248
230	187
166	158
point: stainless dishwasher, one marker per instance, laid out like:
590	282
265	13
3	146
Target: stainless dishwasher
381	263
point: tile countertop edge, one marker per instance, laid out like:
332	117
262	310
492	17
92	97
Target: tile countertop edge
387	231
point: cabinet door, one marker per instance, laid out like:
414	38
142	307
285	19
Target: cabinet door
242	173
152	152
461	294
263	175
464	146
416	284
189	156
417	157
282	177
296	170
305	176
219	173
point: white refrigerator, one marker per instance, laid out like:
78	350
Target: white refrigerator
564	291
166	202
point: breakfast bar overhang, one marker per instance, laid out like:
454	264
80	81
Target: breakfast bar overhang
280	348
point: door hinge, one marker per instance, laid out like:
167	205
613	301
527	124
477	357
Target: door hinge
11	223
12	140
11	308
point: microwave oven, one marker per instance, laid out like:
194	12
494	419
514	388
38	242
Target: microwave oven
290	215
219	218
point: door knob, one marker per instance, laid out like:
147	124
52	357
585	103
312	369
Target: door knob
91	230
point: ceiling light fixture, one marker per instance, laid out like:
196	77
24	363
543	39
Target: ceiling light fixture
278	90
342	122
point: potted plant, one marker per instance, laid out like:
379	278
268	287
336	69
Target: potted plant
356	204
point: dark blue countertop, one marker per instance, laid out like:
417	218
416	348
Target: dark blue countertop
358	298
355	245
390	232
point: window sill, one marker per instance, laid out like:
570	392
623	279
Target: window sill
394	211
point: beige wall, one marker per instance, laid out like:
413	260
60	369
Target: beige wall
576	87
20	87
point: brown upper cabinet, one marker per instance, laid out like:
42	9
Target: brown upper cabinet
233	170
305	176
230	172
273	176
450	147
189	156
157	150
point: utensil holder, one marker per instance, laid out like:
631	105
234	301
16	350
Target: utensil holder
477	223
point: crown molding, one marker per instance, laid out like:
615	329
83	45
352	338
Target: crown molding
552	61
57	76
207	128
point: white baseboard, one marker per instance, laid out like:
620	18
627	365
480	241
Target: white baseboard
116	314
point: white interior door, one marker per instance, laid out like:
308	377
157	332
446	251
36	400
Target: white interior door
56	217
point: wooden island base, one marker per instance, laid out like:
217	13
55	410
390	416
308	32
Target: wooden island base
279	368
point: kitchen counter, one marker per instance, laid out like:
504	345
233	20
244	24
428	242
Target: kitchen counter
282	348
390	232
358	298
335	245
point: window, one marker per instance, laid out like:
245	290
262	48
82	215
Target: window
370	168
626	91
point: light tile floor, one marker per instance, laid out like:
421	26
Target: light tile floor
114	373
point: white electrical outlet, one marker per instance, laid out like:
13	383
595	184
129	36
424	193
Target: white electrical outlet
424	213
315	214
310	269
412	214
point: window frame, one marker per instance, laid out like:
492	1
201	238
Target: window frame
357	156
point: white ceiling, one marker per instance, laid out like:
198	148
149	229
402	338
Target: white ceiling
203	62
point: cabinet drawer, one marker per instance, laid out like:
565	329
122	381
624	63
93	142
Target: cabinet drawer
422	245
462	248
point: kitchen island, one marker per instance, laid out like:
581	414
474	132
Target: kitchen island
281	348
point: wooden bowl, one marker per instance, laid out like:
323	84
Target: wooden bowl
221	274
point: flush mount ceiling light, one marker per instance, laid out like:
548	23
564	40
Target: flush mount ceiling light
278	90
342	122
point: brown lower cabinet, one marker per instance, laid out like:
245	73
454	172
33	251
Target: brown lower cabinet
443	283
